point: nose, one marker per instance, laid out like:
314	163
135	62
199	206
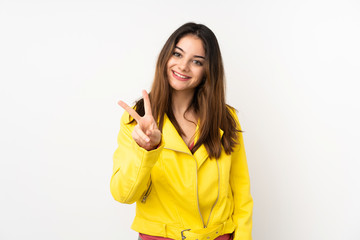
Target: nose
183	65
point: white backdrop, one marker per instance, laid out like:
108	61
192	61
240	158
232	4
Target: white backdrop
292	71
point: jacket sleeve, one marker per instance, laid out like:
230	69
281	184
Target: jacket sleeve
240	185
132	165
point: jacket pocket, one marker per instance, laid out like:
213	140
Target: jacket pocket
146	194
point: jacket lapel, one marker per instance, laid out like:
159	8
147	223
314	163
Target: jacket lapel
201	154
175	142
172	138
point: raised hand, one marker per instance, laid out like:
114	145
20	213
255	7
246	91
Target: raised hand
146	133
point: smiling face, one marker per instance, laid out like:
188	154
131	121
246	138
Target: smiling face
185	68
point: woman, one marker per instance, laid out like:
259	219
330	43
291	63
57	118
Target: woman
181	155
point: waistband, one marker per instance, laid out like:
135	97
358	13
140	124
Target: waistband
178	233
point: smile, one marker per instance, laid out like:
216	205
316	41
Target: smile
180	76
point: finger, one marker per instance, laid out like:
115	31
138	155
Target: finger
130	110
141	134
147	103
155	136
139	140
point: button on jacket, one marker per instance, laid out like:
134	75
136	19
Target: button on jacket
181	195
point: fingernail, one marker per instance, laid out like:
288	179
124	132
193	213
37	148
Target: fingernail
148	139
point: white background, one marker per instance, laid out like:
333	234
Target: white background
292	71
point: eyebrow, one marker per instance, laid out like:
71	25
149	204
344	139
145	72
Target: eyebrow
197	56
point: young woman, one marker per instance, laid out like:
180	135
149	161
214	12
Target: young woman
180	152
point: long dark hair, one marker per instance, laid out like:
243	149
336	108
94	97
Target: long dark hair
209	97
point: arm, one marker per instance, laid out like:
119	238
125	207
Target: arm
240	185
132	165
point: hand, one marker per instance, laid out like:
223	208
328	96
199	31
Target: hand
146	133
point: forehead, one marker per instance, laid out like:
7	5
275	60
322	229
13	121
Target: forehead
191	44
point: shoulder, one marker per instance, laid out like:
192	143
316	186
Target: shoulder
127	121
231	109
233	114
125	118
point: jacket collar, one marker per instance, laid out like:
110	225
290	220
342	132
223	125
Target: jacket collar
172	138
174	141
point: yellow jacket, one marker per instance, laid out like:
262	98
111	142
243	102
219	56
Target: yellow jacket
175	190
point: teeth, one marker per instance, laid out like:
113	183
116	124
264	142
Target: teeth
179	75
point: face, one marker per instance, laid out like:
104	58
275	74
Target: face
185	68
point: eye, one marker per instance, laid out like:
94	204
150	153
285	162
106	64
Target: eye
176	54
198	62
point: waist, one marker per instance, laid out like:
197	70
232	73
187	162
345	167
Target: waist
149	237
180	233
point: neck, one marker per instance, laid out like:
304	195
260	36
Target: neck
181	101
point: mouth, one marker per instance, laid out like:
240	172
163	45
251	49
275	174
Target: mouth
179	76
